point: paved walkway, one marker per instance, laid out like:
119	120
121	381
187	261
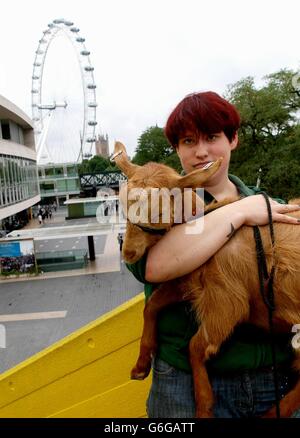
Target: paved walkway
108	261
36	314
37	311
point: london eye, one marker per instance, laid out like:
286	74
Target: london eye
63	95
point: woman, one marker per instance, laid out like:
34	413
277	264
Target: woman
202	128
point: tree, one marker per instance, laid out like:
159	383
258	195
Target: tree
95	164
269	135
154	146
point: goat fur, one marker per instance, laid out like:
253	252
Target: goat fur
224	291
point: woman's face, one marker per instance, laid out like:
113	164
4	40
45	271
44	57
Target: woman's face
195	152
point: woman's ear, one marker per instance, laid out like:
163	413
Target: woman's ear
235	142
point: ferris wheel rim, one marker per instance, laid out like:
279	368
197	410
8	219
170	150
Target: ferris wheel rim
88	137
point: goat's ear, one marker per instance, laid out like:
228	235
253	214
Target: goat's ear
122	161
198	177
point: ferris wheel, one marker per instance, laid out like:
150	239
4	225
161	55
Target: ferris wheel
56	115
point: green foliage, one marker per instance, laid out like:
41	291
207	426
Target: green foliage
95	164
270	134
153	146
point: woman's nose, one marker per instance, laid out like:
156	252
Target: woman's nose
201	149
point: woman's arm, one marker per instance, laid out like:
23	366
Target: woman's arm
179	252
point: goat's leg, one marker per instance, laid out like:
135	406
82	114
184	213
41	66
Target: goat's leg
291	402
168	293
213	331
202	387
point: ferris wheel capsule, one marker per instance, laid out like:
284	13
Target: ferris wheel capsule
74	29
85	53
89	68
59	21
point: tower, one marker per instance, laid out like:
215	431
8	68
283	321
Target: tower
102	147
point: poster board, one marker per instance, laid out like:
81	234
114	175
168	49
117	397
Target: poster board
17	257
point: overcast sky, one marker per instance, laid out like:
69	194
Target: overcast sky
148	55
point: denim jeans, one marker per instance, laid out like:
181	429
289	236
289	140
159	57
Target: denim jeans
244	395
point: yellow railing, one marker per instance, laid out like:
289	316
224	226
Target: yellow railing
85	374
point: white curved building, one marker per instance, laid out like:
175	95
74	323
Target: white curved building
19	187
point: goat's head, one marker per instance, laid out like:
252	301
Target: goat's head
152	198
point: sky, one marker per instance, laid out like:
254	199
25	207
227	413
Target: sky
147	55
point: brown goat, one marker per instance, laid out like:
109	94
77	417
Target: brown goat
224	291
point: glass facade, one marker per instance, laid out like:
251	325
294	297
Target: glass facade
58	180
18	179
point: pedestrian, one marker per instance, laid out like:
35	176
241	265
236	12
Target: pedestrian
120	240
202	128
40	219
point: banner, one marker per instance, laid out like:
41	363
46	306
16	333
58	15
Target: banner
17	257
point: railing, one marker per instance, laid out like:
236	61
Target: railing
85	374
100	179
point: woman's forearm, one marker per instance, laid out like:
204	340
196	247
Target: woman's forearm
179	252
182	250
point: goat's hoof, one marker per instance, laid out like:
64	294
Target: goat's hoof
139	374
204	414
270	414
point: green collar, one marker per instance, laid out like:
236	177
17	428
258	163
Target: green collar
241	187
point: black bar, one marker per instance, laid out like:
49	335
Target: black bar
91	247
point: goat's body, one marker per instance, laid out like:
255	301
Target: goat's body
224	292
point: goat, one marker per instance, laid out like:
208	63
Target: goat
224	291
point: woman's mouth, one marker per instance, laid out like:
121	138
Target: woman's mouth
204	165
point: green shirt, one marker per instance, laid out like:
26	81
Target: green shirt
247	349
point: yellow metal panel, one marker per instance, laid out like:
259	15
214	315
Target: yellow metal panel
85	374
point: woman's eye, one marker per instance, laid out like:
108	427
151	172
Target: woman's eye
188	140
211	137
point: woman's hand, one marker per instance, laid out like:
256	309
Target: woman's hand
254	211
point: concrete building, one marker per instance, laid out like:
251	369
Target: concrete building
58	182
19	188
102	147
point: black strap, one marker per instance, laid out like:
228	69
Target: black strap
149	230
266	289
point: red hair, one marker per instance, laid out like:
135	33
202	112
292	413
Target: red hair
206	113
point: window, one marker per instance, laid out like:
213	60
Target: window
5	130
